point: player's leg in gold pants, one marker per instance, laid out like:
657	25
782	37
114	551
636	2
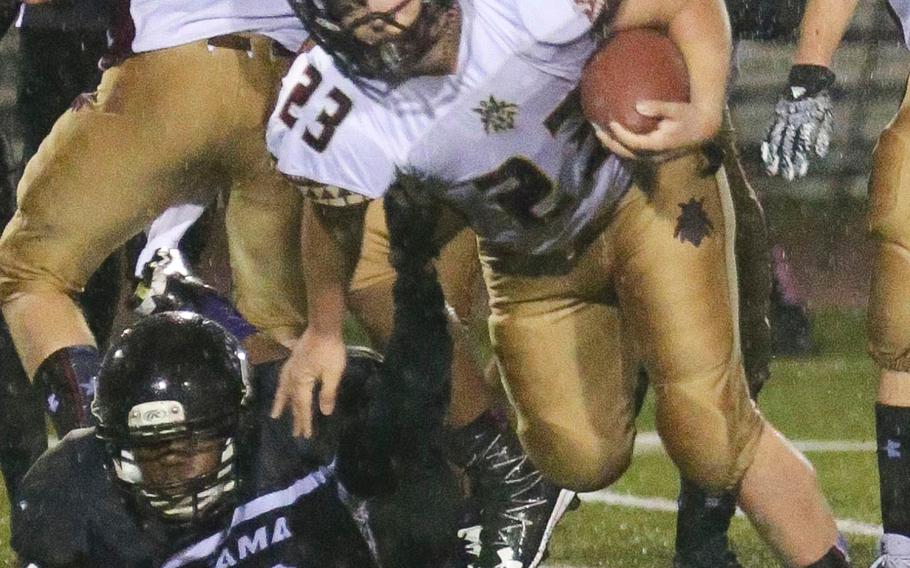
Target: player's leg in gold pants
889	212
162	123
703	520
667	257
889	321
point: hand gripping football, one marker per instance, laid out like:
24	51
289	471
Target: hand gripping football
632	66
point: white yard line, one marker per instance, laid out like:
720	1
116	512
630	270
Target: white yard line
649	443
846	526
607	497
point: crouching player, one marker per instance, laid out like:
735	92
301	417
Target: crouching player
184	469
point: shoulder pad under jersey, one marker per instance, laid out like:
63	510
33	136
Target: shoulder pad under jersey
554	21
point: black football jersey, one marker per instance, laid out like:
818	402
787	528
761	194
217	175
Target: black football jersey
69	513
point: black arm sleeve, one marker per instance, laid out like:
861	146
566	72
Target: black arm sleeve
48	524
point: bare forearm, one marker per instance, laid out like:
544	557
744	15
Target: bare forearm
701	31
823	27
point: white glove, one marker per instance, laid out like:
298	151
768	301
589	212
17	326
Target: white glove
802	122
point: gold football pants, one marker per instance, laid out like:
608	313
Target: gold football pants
889	227
165	127
458	270
569	357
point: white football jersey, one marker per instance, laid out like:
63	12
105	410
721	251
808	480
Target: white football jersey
901	10
504	132
167	23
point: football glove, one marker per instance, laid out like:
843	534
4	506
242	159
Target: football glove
802	122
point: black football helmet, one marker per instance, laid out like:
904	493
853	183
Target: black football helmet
392	60
174	376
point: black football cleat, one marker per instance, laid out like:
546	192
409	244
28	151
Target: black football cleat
516	509
715	553
169	284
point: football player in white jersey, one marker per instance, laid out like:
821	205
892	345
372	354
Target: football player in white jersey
798	133
470	104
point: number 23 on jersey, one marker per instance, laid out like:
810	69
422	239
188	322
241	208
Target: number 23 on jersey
329	118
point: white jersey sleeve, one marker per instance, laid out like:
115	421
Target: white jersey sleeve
159	24
554	22
315	137
167	230
901	11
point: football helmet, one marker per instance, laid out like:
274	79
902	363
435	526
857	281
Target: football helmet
333	25
174	379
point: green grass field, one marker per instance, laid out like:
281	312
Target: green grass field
828	397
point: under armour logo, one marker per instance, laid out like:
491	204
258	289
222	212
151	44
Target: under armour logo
797	92
507	559
471	536
88	389
693	224
52	403
892	449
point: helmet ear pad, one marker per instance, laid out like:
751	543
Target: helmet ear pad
174	376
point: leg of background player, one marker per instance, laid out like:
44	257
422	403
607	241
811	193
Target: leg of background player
889	330
100	154
703	520
54	67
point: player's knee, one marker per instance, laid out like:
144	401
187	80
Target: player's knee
575	459
889	314
889	201
710	433
14	272
716	473
888	348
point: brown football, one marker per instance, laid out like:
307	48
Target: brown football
632	66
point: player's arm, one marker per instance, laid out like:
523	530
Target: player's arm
330	240
803	119
701	31
822	29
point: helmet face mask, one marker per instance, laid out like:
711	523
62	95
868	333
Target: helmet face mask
172	397
391	58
